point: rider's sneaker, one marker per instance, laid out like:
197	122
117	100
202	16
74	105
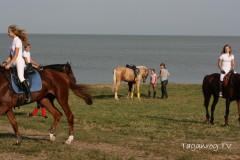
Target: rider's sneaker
220	94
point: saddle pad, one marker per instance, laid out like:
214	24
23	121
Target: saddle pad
33	78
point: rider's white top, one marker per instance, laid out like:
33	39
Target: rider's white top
27	55
16	43
226	64
226	61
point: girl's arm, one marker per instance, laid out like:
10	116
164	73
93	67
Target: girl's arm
168	74
25	59
160	75
13	58
233	64
156	79
220	64
35	65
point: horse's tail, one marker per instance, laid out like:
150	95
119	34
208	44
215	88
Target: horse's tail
81	91
114	79
206	90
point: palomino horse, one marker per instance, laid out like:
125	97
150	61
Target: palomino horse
125	74
231	92
55	85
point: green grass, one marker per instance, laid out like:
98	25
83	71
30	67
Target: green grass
126	129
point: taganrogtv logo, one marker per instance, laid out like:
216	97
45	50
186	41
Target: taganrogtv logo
214	147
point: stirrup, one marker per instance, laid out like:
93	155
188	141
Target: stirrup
29	99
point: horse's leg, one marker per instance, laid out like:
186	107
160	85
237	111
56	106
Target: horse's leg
215	101
14	124
63	101
207	98
116	89
130	84
132	92
56	114
138	90
238	103
227	112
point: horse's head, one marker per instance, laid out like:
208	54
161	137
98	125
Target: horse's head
68	70
143	72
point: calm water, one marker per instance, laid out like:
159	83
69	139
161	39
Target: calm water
93	57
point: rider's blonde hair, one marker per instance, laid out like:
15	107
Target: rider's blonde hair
20	33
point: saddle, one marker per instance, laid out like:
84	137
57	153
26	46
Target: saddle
32	77
135	70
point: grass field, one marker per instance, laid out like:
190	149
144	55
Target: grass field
140	129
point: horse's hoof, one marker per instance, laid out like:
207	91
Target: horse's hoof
116	99
70	139
206	121
212	123
17	144
226	125
52	137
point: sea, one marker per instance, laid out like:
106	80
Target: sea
94	57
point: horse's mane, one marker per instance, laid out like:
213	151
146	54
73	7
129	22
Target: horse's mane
58	67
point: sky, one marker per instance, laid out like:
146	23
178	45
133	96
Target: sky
134	17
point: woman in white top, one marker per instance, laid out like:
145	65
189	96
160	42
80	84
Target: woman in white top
226	63
15	59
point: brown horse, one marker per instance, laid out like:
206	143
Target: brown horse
231	92
125	74
54	85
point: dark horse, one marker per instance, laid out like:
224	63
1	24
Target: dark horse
231	92
55	84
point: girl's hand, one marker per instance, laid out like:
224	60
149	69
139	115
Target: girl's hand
4	64
8	66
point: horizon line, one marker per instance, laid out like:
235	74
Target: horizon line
109	34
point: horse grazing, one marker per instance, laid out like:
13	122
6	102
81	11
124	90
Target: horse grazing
126	74
231	92
54	85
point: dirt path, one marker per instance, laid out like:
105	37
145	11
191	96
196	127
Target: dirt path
108	149
117	151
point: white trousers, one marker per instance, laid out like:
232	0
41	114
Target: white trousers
222	75
20	65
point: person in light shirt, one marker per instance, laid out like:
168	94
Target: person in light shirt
153	83
163	75
15	59
28	59
226	63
